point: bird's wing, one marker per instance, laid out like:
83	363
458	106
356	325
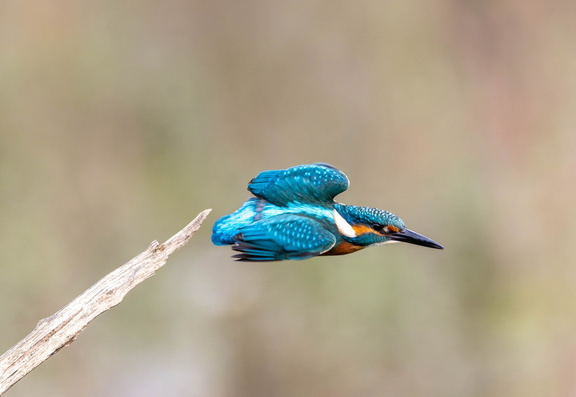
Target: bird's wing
313	183
281	237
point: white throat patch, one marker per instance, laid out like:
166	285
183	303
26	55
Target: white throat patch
343	227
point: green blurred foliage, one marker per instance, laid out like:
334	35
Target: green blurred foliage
120	121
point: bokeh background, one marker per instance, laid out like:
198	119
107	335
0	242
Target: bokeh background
121	120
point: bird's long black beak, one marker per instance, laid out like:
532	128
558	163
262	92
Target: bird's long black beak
408	236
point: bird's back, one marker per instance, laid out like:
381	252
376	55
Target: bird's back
256	209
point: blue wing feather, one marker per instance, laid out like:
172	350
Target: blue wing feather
315	183
282	237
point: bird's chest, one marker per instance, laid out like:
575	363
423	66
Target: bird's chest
343	248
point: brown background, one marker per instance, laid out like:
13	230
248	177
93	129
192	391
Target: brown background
121	120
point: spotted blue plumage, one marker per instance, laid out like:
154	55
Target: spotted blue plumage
285	236
294	216
315	183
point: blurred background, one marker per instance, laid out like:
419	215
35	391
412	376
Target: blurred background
121	121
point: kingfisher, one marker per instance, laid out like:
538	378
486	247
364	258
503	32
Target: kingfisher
294	216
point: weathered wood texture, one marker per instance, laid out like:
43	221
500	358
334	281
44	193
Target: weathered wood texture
59	330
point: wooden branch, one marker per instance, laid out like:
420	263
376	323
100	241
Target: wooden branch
59	330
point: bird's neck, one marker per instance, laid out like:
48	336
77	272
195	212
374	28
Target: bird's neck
343	223
347	212
346	222
352	229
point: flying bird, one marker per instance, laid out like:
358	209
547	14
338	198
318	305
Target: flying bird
294	216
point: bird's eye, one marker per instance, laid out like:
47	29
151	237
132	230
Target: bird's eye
385	228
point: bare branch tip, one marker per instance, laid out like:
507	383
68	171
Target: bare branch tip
59	330
153	245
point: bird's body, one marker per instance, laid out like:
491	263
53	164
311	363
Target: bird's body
294	216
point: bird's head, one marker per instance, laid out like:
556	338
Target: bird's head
365	226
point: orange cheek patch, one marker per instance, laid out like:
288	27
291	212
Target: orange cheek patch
362	229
